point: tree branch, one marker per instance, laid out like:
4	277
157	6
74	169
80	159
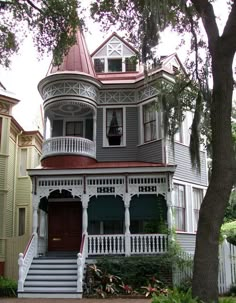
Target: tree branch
229	34
34	6
206	12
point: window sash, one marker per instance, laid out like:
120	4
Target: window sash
149	122
197	201
21	221
179	206
114	122
74	128
114	65
99	65
23	162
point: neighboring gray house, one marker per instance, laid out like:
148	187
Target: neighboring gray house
108	183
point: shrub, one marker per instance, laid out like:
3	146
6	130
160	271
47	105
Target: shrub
8	287
137	271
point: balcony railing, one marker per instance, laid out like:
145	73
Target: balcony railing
69	145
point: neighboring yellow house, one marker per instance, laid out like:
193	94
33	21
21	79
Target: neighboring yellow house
19	150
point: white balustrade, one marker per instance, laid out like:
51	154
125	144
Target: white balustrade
69	145
25	260
148	243
106	244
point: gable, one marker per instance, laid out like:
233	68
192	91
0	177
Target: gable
114	47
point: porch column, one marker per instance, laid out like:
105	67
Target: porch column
42	224
170	217
35	203
127	199
85	200
95	127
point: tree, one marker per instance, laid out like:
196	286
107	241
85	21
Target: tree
48	21
144	20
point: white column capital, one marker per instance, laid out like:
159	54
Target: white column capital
127	198
85	200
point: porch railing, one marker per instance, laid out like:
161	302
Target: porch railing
148	243
106	244
25	259
69	145
139	244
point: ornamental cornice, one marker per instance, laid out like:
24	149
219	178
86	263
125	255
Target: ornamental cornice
70	88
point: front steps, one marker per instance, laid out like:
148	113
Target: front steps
51	277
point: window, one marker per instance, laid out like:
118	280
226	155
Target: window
130	64
114	65
149	122
197	201
74	128
179	207
21	221
179	134
114	126
23	162
99	65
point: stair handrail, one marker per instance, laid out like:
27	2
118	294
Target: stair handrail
25	259
81	256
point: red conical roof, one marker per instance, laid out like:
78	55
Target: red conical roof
78	58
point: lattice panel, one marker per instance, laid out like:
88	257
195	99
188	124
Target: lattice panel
148	92
117	97
147	185
105	186
46	186
70	88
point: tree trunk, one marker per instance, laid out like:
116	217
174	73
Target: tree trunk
205	274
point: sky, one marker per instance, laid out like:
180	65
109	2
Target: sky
27	70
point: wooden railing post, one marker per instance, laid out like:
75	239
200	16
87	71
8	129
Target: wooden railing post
21	272
79	272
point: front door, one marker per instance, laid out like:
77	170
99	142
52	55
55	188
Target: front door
64	226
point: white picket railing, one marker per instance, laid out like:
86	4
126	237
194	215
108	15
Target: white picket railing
25	260
106	244
227	267
148	243
137	244
69	145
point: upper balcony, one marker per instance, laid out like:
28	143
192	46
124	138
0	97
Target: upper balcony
69	146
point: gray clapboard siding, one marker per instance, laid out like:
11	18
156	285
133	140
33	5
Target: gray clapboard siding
187	242
151	152
184	170
126	153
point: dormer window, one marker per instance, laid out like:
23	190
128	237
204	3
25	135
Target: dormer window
115	65
99	65
130	64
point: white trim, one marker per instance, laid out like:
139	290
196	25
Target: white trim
101	171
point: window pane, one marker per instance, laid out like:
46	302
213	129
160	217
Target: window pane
197	201
179	206
114	126
23	162
21	226
74	128
99	65
114	65
149	122
130	64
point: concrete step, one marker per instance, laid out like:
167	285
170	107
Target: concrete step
53	271
47	283
52	277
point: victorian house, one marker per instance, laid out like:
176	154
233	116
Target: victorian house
109	182
19	151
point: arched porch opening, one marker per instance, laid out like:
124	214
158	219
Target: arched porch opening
64	220
148	214
105	215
